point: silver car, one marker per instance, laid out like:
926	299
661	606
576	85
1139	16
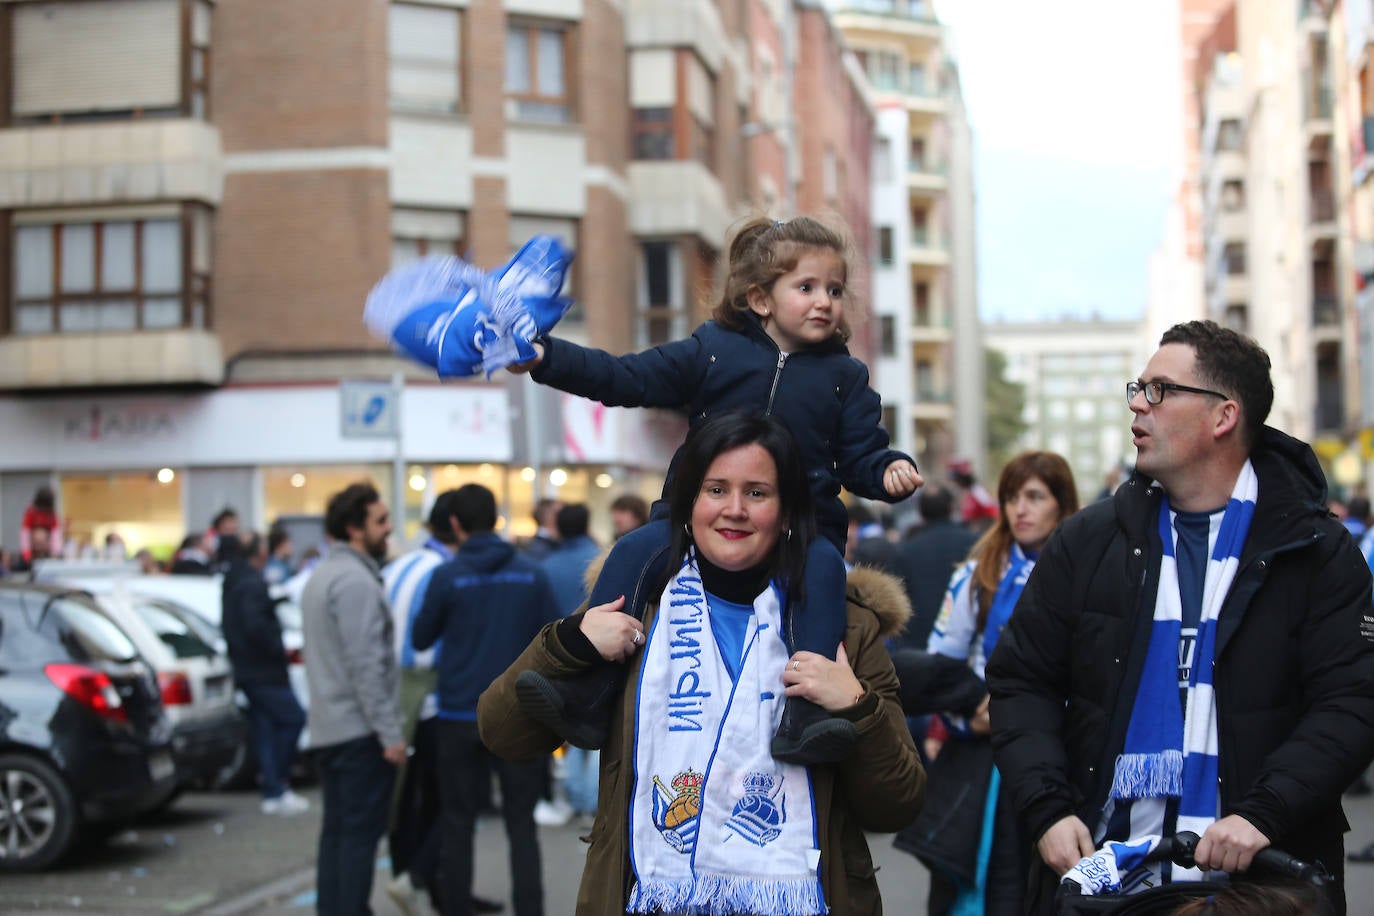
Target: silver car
193	675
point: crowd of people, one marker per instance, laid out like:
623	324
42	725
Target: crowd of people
757	674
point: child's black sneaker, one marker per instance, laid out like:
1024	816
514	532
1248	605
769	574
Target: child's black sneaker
809	735
573	707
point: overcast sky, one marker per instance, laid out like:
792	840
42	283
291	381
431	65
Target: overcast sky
1077	139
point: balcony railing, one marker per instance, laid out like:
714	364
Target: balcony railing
1326	311
932	395
918	10
1321	206
1316	104
921	166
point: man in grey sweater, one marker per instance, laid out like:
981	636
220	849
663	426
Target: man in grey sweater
355	720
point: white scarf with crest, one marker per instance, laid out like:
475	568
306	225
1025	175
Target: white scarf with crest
716	824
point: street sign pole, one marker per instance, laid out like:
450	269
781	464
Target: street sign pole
398	462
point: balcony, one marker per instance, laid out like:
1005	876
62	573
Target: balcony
918	10
926	178
921	98
1326	311
932	403
1231	289
1321	216
883	21
929	326
119	162
926	250
1229	225
1316	111
125	359
677	197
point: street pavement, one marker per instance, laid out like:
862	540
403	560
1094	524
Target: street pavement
214	854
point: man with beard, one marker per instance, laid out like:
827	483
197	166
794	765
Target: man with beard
355	720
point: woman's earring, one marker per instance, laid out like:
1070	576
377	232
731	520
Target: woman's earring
687	530
789	534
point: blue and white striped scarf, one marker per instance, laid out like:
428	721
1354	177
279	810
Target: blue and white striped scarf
717	826
1172	751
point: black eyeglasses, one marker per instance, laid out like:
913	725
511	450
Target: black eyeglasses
1154	391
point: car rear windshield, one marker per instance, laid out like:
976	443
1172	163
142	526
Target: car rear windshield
172	627
88	634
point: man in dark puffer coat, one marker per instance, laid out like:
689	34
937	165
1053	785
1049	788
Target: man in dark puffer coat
1294	660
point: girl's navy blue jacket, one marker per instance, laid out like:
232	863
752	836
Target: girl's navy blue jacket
821	394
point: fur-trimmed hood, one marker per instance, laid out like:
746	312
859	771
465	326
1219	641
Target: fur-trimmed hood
868	587
884	595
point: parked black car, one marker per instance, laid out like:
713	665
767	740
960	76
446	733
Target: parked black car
83	735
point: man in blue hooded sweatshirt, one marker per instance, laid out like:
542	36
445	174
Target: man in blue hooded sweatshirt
487	604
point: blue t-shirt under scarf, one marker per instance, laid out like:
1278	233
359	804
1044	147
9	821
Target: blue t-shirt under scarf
730	624
730	601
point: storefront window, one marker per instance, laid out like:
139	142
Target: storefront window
516	490
142	507
306	490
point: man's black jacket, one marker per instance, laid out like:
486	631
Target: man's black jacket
251	629
1293	670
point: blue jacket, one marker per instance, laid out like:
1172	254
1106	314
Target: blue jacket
821	394
566	567
487	603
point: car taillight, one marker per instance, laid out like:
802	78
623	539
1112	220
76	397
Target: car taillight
174	687
293	657
88	687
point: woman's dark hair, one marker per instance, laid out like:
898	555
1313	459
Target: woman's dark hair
994	546
348	509
764	249
725	433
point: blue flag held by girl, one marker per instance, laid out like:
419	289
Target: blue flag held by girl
460	320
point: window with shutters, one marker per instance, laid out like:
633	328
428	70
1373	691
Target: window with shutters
84	272
425	59
116	59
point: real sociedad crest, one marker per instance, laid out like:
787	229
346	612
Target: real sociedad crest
677	811
760	814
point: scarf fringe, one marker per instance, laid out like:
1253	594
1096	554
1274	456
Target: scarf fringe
1148	775
729	895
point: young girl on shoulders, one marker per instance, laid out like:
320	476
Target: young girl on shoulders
775	345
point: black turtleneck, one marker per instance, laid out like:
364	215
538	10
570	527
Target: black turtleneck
740	587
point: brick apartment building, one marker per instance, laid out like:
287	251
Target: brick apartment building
196	196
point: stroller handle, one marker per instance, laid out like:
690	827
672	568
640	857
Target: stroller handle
1181	848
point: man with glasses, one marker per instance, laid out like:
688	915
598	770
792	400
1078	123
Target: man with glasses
1194	653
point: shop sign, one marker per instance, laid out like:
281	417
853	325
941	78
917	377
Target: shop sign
367	409
103	424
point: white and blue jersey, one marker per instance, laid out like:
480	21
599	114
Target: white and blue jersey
405	580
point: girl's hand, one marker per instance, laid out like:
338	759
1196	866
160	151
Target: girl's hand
528	365
830	685
901	478
615	634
